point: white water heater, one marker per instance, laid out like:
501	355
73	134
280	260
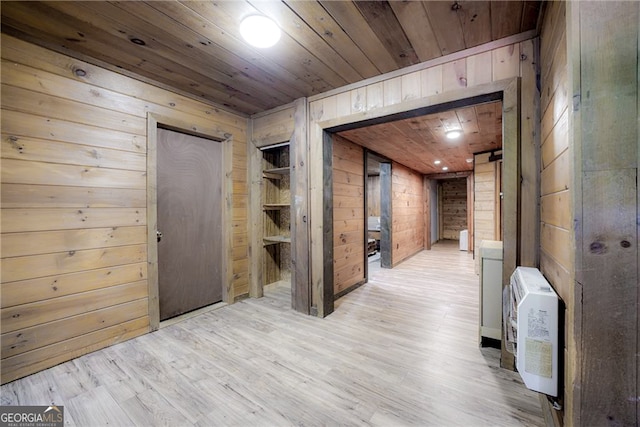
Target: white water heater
533	329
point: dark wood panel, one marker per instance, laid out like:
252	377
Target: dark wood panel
190	204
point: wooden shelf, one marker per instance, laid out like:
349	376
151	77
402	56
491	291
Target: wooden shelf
274	240
275	206
276	173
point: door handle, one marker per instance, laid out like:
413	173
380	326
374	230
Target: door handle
158	235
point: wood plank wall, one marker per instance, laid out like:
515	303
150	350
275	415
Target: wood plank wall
407	213
74	245
405	90
454	207
556	214
603	41
484	196
348	215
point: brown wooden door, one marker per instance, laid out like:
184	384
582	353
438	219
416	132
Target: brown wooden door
190	176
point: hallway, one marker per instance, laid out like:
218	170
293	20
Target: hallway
400	350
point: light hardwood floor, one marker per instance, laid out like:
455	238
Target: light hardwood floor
400	350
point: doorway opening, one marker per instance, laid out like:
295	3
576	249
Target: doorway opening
377	222
324	133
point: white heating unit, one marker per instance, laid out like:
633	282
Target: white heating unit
532	329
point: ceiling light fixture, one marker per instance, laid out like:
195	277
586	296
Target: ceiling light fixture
259	31
469	160
453	133
437	162
445	168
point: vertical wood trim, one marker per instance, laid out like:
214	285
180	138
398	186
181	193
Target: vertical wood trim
511	190
365	186
440	212
256	226
498	188
607	268
530	155
152	222
299	149
227	219
574	306
386	220
327	238
426	190
470	210
316	218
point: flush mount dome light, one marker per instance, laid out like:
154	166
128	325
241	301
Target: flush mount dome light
445	168
437	162
453	133
259	31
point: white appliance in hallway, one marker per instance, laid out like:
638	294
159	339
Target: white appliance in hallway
490	290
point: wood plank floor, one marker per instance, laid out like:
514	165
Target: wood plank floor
400	350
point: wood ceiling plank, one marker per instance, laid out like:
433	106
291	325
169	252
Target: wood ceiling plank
224	17
383	21
181	36
353	23
33	20
475	19
530	14
506	18
413	19
327	28
163	44
446	26
468	120
298	30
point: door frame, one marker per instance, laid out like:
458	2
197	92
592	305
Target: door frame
320	132
155	121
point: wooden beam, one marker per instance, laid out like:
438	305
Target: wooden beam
299	150
449	175
327	225
511	191
608	231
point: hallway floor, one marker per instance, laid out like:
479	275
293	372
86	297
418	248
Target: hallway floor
400	350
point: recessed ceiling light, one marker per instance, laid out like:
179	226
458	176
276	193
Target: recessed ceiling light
437	162
259	31
469	160
445	168
453	133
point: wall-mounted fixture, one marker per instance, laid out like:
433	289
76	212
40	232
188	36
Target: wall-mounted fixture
259	31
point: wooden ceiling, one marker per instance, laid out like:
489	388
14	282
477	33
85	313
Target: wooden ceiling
195	47
419	141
